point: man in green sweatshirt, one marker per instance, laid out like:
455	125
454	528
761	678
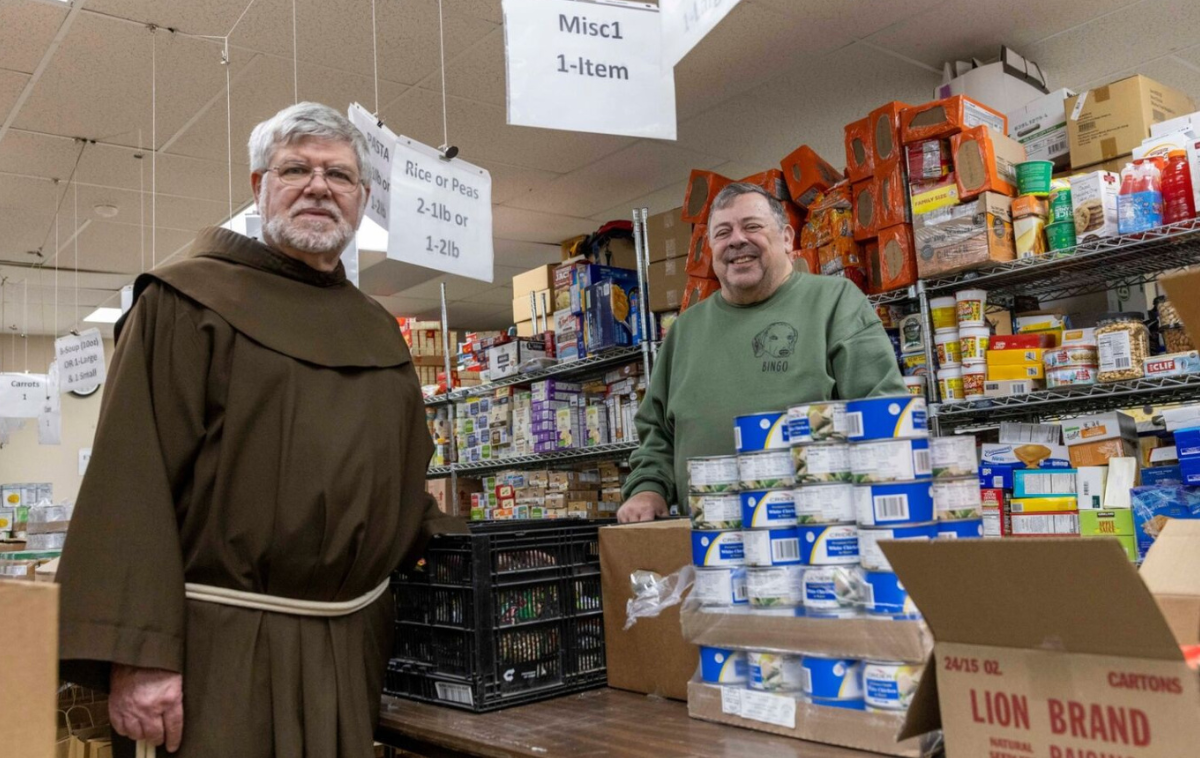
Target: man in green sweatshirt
769	339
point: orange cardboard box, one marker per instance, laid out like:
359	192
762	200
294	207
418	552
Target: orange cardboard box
772	181
945	118
985	161
885	134
795	215
840	254
893	197
697	290
965	236
860	150
702	187
892	262
699	261
807	174
866	209
1099	452
805	261
809	235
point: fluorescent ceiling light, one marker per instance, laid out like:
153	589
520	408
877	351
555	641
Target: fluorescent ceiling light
104	316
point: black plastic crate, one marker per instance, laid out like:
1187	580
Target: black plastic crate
506	615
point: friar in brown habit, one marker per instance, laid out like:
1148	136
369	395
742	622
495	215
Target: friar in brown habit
257	473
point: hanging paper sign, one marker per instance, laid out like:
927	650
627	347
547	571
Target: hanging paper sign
350	261
381	141
85	457
80	360
50	429
686	22
443	212
23	395
588	67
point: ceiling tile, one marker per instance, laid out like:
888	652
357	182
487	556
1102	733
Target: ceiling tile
38	155
494	296
457	288
168	174
165	212
522	256
531	226
479	73
28	30
514	182
22	232
212	17
27	195
852	18
402	305
11	84
105	246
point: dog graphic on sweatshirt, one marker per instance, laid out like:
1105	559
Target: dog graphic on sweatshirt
775	345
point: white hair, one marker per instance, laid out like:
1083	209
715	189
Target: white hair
306	120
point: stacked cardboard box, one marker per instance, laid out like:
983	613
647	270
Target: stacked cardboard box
543	494
670	241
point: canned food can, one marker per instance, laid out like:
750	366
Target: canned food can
768	470
962	529
716	510
828	544
823	421
851	704
778	586
821	463
890	685
720	586
957	499
719	665
894	503
832	591
832	678
771	547
872	558
775	672
824	504
761	431
765	509
890	460
788	611
884	595
718	549
884	418
717	473
953	456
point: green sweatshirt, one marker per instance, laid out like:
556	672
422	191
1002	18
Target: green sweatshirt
815	338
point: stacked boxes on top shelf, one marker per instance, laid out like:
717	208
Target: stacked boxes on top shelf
593	492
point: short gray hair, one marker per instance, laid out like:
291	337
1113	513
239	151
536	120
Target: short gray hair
306	120
730	192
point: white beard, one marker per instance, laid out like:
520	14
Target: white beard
297	234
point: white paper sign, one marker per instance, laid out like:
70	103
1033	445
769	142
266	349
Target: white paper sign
443	212
686	22
588	67
23	395
779	710
80	360
381	141
50	429
85	457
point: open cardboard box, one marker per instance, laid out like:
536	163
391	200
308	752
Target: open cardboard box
1057	648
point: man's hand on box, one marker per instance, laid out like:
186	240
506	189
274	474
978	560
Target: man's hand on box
644	506
147	704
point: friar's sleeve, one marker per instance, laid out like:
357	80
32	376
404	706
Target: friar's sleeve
122	569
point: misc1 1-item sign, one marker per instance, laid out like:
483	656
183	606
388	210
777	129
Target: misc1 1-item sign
80	360
686	22
588	67
381	142
441	212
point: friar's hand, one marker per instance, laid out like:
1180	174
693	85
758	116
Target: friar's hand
643	506
147	704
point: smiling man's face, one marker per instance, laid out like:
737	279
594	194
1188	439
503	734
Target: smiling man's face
750	249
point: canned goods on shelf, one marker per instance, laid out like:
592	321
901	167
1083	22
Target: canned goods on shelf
761	431
718	549
1071	376
824	503
765	509
894	503
872	557
720	586
720	665
957	498
823	421
716	510
828	544
771	547
884	595
832	678
962	529
774	587
890	685
775	672
890	417
832	591
890	460
718	473
818	463
953	456
768	470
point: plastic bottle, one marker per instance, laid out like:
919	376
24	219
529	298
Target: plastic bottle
1179	204
1140	203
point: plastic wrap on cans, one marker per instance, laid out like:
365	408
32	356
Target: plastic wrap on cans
962	529
832	591
716	510
817	422
771	547
890	685
775	672
717	473
774	587
884	595
768	509
832	678
768	470
954	456
787	611
828	544
821	463
720	586
850	704
890	460
894	503
824	503
720	665
718	549
872	557
883	418
761	431
957	498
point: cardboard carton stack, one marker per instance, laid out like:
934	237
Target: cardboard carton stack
702	189
15	501
424	340
826	243
542	494
670	243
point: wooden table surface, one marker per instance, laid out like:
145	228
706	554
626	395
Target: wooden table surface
599	723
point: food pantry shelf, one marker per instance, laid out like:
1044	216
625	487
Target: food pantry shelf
616	450
895	296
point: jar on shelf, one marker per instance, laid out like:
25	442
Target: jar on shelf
1123	344
1174	335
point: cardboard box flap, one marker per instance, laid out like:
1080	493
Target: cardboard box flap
924	715
1172	573
1067	595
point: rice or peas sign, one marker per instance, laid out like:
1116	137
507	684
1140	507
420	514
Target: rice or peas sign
588	67
441	212
80	360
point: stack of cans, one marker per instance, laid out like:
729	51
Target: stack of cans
957	502
833	682
717	547
889	686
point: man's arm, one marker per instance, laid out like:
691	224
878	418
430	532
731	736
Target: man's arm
651	485
860	353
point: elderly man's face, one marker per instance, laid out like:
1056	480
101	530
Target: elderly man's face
750	250
310	222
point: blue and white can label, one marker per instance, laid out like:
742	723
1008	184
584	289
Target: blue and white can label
761	431
718	549
890	686
828	544
771	547
715	510
825	504
718	473
720	586
852	704
954	455
890	461
817	464
823	421
832	678
963	529
884	595
873	558
894	503
955	499
884	418
775	587
832	591
720	665
764	509
775	672
766	470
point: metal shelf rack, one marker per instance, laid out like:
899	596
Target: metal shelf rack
895	296
614	451
572	368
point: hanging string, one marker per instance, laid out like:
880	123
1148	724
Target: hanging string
228	126
375	54
56	264
295	59
153	146
239	20
76	189
442	52
25	324
142	200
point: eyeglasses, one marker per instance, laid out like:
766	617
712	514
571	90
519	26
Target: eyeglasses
299	175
